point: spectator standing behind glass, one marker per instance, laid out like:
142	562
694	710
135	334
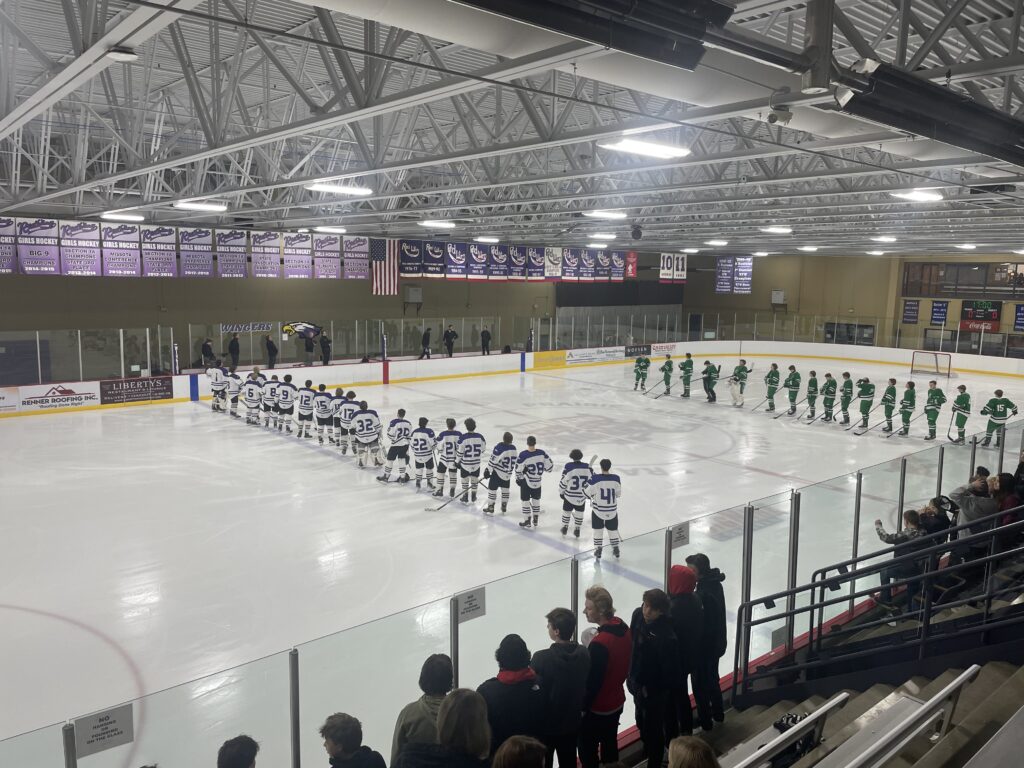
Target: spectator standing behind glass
271	351
654	674
239	752
343	740
310	349
449	339
520	752
515	699
687	615
691	752
207	352
485	341
975	503
905	541
325	349
707	688
425	344
417	722
563	671
463	736
610	651
234	350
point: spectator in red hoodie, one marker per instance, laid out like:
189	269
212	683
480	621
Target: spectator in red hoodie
610	652
516	703
687	614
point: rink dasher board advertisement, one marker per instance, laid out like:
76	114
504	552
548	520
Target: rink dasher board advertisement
635	350
10	397
141	390
594	355
45	397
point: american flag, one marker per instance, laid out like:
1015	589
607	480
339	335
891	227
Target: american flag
384	264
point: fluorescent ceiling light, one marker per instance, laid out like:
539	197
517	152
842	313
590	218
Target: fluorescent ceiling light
876	253
778	230
486	239
119	216
759	253
918	196
338	189
717	243
647	148
1019	253
884	239
438	224
605	214
597	246
211	206
602	236
691	250
330	230
302	231
967	246
123	54
808	248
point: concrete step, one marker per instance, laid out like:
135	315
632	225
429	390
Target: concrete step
736	730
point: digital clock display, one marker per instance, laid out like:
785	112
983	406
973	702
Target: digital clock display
981	310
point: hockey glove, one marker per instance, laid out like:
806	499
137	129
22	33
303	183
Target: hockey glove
487	473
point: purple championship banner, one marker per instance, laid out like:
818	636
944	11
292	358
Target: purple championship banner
618	274
571	264
266	254
80	249
326	256
456	259
410	258
603	266
535	263
433	258
231	252
477	264
195	247
8	252
497	264
517	262
37	246
159	251
357	258
588	265
122	254
298	256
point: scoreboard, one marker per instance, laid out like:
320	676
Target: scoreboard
980	315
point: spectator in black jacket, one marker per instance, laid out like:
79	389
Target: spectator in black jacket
654	674
687	616
207	353
425	344
325	349
449	339
463	736
310	349
271	351
905	541
343	740
562	669
239	752
515	699
707	688
234	350
485	341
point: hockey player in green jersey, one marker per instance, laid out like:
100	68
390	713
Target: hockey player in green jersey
740	374
889	404
846	397
866	398
936	397
828	396
961	407
640	366
998	409
666	371
710	377
792	385
772	380
812	393
907	407
686	371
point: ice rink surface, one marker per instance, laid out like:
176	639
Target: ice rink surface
145	547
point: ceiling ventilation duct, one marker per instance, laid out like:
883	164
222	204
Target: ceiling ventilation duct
659	30
887	95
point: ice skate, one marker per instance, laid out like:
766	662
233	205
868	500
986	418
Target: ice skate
439	493
536	521
792	410
404	479
504	508
526	524
489	509
576	532
597	553
451	492
615	551
985	442
419	485
472	497
930	437
904	432
565	529
382	478
887	428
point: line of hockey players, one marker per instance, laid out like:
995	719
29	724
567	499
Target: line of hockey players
999	409
458	456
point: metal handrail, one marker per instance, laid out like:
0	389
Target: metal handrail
815	721
942	704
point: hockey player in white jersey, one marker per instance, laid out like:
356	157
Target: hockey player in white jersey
304	405
323	409
530	469
252	393
571	488
233	384
348	409
286	396
447	457
604	492
270	402
218	386
399	433
337	400
367	433
499	471
258	375
422	442
470	453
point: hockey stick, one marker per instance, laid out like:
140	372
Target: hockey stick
759	405
653	387
787	413
952	418
853	426
896	432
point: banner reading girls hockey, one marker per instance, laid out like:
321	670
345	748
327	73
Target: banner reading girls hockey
356	252
37	246
433	258
80	249
8	253
410	258
536	264
159	249
517	262
477	267
231	252
571	264
326	257
618	270
497	264
122	255
266	254
588	265
602	266
195	248
552	263
298	255
456	260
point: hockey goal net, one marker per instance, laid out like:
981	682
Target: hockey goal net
931	363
